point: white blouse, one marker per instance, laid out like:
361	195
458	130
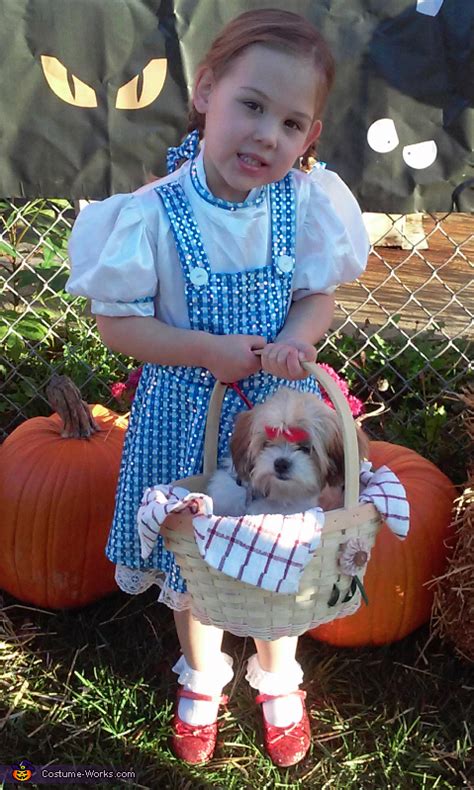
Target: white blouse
123	252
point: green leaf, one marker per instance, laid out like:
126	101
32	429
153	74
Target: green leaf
361	589
15	346
32	329
7	248
49	314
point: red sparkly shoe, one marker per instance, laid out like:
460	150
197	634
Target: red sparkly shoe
286	745
194	743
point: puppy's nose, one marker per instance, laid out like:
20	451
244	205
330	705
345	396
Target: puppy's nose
282	466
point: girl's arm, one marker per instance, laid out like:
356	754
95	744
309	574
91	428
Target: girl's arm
307	322
228	357
308	319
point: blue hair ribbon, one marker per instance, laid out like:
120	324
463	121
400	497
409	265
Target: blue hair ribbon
187	150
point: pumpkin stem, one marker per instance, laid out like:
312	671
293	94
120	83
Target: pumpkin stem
65	399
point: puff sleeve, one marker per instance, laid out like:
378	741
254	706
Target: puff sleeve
111	249
332	243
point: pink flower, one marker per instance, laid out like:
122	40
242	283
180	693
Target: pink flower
134	378
356	406
124	392
353	556
118	389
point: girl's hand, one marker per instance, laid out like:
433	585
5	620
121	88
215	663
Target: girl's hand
231	357
283	358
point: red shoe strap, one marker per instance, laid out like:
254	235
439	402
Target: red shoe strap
222	699
268	697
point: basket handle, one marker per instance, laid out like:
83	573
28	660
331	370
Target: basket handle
349	434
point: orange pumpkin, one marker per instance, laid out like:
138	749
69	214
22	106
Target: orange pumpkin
56	504
397	575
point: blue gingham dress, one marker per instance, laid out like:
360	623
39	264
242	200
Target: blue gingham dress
165	437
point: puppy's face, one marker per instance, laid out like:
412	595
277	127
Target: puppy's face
289	447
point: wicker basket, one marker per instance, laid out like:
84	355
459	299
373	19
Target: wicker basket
324	593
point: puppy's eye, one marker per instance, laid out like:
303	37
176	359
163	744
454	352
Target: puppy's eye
305	448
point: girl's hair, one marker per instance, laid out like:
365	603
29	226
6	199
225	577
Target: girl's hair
276	29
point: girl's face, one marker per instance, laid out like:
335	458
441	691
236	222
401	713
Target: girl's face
259	119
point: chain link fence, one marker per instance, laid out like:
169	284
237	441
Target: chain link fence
401	334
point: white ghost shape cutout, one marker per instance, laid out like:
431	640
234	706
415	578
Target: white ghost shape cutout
429	7
420	155
382	136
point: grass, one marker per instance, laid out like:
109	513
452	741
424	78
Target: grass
94	686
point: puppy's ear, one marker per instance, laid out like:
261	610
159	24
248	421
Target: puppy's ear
240	444
363	442
336	451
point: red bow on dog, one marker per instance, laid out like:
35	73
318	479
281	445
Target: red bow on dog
291	434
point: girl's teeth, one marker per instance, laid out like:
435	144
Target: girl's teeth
249	160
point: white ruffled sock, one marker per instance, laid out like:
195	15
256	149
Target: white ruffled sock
283	711
210	682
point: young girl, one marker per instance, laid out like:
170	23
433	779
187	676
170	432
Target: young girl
234	252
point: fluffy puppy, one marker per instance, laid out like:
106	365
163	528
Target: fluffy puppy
287	456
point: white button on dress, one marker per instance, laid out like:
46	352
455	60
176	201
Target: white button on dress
285	263
199	276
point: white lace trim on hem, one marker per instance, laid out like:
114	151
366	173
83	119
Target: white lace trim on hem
135	581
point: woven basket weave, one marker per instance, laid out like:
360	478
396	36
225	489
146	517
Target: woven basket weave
324	592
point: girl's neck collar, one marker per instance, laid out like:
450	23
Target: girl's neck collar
199	182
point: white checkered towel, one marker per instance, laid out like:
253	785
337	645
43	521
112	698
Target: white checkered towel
268	551
385	491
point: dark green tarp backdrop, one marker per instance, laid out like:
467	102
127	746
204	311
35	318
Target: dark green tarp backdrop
82	113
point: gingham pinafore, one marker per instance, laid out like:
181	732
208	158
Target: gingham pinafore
165	437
